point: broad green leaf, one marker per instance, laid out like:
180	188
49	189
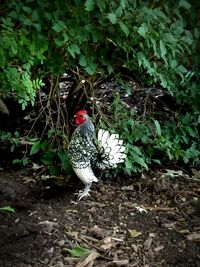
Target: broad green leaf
37	26
59	26
184	4
35	15
35	148
123	3
89	5
91	69
124	28
187	39
73	49
83	61
78	252
174	64
27	9
143	29
13	14
112	17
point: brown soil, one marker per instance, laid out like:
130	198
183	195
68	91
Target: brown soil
48	220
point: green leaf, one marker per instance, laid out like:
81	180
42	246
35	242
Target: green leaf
54	170
143	29
158	128
91	69
78	252
163	49
128	164
59	26
89	5
83	61
182	69
35	148
184	4
124	28
109	68
73	49
174	64
140	161
112	17
7	209
37	26
27	9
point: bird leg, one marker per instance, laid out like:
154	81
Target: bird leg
85	192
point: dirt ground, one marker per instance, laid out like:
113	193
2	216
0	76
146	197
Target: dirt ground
148	221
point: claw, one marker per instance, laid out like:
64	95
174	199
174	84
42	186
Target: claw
85	193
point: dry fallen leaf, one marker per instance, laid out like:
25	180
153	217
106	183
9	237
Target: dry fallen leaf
193	236
147	243
134	233
90	258
121	262
158	248
107	243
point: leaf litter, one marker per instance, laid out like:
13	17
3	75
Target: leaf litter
50	228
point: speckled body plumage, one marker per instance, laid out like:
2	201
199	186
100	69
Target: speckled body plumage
84	154
82	151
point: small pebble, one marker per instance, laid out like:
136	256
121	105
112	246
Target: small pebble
61	243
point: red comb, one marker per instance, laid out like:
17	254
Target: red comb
81	112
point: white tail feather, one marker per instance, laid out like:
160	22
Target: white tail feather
111	147
86	175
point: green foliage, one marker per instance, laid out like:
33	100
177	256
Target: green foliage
149	142
98	36
41	40
51	155
78	252
7	209
55	158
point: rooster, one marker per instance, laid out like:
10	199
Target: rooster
84	155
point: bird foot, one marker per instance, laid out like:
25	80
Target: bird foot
85	192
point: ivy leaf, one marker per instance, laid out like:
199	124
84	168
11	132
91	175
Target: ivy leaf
112	17
89	5
124	28
35	148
